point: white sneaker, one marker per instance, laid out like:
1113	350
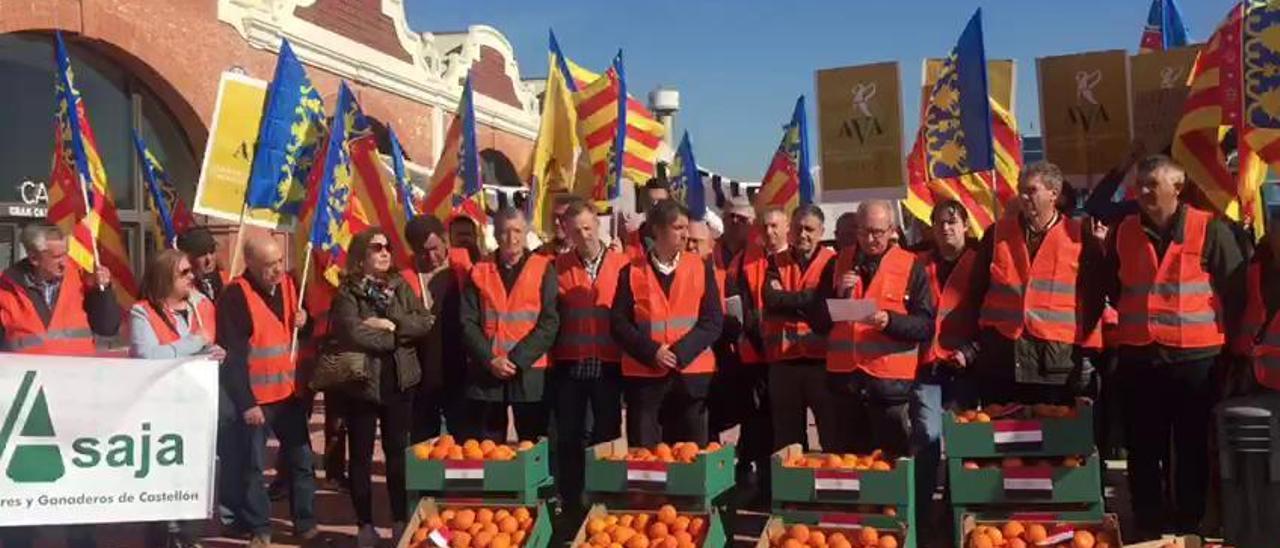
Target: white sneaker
367	537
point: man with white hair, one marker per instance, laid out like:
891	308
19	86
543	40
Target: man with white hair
871	361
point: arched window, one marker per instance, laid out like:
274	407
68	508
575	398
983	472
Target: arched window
117	101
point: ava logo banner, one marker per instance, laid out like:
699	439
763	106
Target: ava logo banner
91	440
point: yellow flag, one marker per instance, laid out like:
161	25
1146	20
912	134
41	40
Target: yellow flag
555	152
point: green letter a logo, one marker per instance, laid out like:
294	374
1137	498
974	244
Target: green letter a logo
33	461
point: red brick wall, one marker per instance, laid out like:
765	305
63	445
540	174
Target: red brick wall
489	76
359	20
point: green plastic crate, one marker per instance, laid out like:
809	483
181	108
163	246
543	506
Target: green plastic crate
539	535
1026	483
1096	519
519	478
893	487
1018	437
709	475
904	529
713	537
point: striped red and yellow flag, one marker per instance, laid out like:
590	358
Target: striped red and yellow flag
787	182
984	194
1229	93
600	123
455	186
80	200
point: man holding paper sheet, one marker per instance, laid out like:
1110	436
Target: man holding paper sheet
876	306
797	355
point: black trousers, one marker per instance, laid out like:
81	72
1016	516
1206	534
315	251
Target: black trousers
491	422
573	400
364	419
436	410
795	387
872	413
1164	402
664	409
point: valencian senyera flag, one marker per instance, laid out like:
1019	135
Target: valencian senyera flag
788	182
80	200
686	180
292	128
620	135
456	187
1165	29
171	215
1233	98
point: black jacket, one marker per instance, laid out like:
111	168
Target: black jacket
392	356
527	385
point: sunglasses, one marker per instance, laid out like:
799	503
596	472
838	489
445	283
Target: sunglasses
379	247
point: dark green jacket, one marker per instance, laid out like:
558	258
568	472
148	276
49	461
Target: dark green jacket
527	384
384	349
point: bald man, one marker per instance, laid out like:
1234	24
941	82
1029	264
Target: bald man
699	240
257	315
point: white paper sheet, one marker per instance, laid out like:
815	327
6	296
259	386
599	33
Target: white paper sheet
733	306
851	310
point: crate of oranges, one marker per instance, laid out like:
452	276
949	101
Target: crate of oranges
682	469
443	464
1034	532
440	524
1033	479
835	531
840	478
998	430
664	528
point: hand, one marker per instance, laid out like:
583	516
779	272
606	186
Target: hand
300	319
665	357
616	245
847	282
218	353
502	368
960	361
253	416
379	323
102	276
879	320
632	221
775	284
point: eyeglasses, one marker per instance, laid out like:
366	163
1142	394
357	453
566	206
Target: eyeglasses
379	247
876	232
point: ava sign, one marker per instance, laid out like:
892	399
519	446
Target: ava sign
93	440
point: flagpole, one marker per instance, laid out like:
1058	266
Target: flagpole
302	290
237	254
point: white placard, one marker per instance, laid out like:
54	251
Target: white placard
851	310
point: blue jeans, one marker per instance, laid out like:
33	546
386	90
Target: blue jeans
288	421
934	391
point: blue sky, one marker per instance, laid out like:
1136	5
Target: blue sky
740	65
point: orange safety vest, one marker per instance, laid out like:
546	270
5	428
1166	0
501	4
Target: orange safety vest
853	346
1037	295
1260	341
790	339
957	320
460	262
669	316
1167	301
68	332
584	308
204	322
752	265
271	368
508	318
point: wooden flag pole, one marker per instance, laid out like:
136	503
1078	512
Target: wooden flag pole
302	290
237	254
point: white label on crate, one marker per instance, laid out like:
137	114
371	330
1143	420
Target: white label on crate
1028	479
833	480
440	537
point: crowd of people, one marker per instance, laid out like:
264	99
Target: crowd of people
692	330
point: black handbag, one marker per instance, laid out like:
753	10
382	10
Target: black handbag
339	368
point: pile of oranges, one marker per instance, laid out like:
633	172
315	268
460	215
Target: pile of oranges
1015	411
445	448
1015	534
1018	462
476	527
875	461
664	529
684	452
801	536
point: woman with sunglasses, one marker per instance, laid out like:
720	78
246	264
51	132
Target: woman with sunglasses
172	320
377	314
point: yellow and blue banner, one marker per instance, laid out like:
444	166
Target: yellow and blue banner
404	190
957	123
686	180
456	187
172	216
331	227
788	182
1165	29
291	130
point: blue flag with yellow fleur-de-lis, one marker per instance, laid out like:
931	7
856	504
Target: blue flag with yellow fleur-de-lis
291	130
958	120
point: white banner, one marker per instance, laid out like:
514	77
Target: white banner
94	440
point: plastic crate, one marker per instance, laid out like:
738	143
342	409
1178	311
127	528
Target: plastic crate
709	475
1063	525
845	521
539	536
1041	483
1020	437
712	537
520	478
1026	512
842	486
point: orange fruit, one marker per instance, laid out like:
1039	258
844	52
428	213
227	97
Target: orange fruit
637	541
881	466
601	539
888	541
799	532
446	440
695	527
524	445
483	539
641	521
833	461
813	462
1013	529
421	534
838	540
472	453
594	526
658	530
484	516
970	465
642	454
1011	462
668	542
470	444
475	529
1036	533
623	534
440	452
979	540
667	514
422	451
627	520
521	514
434	522
817	538
463	519
982	417
490	527
508	525
681	524
1016	543
486	446
995	535
795	462
792	543
868	536
455	453
461	539
683	537
517	538
663	452
713	447
501	540
1071	462
890	511
687	453
1083	539
962	420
